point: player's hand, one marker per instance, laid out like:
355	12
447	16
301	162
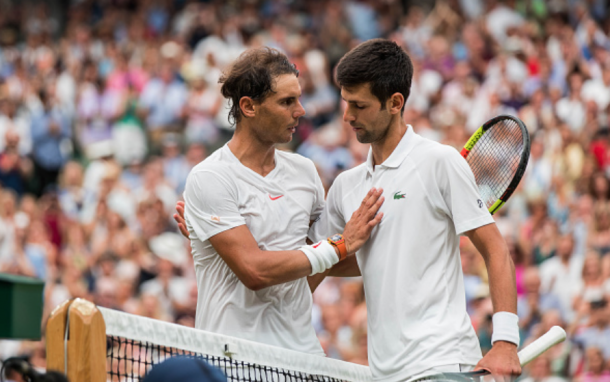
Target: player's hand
501	361
358	229
179	218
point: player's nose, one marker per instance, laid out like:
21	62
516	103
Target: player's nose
300	111
347	116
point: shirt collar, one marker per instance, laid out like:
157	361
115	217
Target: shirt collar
406	144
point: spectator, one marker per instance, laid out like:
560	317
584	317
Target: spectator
161	103
171	289
471	268
571	109
560	274
596	331
599	232
533	304
15	169
175	165
545	241
71	193
128	133
51	135
97	109
594	367
200	109
15	120
539	370
592	286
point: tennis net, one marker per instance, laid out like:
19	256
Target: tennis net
134	344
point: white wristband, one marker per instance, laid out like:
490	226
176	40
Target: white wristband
321	255
505	328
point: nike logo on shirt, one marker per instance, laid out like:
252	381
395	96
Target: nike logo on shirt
275	198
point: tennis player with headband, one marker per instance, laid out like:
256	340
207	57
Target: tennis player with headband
417	319
248	209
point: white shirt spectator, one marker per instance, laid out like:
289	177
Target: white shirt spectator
424	85
20	123
598	91
572	112
202	106
561	280
500	19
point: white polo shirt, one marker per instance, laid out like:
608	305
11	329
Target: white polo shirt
221	194
411	265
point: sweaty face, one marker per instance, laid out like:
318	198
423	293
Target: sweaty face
367	116
278	115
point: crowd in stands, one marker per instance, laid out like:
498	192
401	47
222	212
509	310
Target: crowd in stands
105	106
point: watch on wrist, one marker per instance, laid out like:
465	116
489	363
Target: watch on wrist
338	242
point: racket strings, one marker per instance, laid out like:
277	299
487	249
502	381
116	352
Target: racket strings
495	159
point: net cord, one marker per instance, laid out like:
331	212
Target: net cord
157	332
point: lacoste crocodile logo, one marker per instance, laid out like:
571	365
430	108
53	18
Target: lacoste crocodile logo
398	195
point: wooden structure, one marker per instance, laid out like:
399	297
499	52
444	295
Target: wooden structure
76	341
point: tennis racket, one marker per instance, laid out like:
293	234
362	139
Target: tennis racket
497	154
549	339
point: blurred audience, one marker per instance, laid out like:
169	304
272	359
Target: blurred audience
105	106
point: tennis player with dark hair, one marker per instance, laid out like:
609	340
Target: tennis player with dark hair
248	209
417	319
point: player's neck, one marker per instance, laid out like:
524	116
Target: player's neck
382	149
252	153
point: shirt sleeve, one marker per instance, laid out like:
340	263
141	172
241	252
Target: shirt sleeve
211	205
332	219
461	193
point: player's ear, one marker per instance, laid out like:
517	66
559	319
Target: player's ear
396	102
247	106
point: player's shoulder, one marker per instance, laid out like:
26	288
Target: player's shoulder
430	155
352	177
429	149
297	164
218	163
294	159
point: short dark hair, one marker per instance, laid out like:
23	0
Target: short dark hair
252	75
378	62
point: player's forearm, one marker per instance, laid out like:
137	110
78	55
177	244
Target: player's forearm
284	266
315	280
347	268
500	267
503	292
266	268
502	285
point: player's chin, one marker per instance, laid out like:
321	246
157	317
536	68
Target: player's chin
289	132
286	138
363	137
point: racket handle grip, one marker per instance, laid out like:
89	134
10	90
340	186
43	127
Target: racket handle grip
554	336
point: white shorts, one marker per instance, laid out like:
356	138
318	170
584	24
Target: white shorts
454	368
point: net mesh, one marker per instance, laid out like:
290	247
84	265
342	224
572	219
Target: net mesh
135	344
495	158
129	360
